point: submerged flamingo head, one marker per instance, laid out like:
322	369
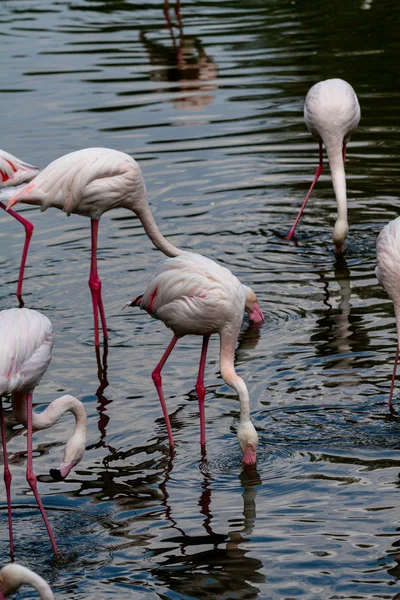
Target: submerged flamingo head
249	457
248	441
339	235
63	470
252	307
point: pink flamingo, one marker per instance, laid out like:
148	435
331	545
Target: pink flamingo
14	172
387	273
14	575
192	294
90	182
24	357
332	113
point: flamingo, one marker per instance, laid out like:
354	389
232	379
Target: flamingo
25	353
332	113
14	172
387	273
192	294
90	182
14	575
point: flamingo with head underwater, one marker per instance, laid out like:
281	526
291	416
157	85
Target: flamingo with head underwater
14	575
90	182
388	274
332	113
14	172
192	294
25	353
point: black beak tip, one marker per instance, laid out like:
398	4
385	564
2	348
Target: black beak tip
56	475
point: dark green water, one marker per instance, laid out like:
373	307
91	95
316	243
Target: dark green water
215	121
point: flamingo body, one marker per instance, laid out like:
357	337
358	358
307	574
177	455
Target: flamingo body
332	113
388	274
192	294
90	182
13	576
25	353
87	182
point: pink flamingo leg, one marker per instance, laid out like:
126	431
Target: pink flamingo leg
178	16
7	479
95	288
28	234
318	173
201	391
156	375
30	476
392	411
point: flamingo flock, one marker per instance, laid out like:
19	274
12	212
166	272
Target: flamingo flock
190	293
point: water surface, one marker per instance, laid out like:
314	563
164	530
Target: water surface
214	117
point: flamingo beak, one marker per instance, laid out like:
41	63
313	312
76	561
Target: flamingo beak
256	315
338	248
249	457
63	470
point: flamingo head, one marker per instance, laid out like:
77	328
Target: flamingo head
73	454
248	441
339	235
252	307
75	448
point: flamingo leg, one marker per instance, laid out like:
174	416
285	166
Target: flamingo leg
396	360
28	234
7	478
30	476
318	173
201	391
178	17
344	153
95	288
156	375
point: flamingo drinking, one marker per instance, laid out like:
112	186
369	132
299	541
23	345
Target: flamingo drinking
90	182
192	294
25	353
332	113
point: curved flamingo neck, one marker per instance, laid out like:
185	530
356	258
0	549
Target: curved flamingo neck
229	375
150	226
75	447
13	576
51	415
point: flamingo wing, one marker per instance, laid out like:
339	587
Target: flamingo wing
25	351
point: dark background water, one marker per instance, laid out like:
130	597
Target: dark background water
216	125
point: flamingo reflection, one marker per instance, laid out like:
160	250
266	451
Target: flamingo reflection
184	62
225	566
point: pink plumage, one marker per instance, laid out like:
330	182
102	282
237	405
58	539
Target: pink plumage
90	182
332	114
192	294
388	275
25	353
